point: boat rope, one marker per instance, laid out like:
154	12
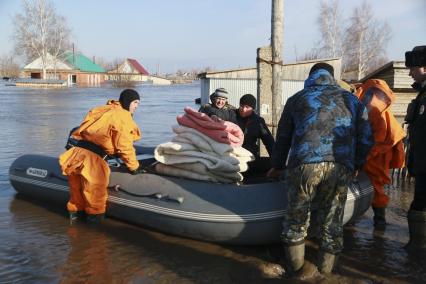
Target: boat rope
118	188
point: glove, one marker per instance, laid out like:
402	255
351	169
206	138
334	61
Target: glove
139	170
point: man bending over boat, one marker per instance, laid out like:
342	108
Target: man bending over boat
325	134
106	130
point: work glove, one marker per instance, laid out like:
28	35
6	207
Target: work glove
139	170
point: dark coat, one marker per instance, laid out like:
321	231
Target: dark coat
417	134
254	128
224	113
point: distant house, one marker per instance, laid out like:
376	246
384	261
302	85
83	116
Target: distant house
131	70
74	68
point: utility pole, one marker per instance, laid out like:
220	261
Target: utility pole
277	24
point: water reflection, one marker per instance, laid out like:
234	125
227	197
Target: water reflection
38	246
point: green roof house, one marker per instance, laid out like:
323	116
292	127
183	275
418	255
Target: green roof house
75	68
82	63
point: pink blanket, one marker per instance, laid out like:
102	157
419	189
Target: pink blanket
224	132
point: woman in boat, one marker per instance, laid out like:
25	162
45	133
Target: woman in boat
106	130
219	105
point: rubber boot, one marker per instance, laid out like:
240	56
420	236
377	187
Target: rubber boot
295	256
76	216
94	219
417	230
326	262
379	216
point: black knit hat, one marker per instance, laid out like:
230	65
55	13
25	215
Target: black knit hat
127	97
322	65
248	100
416	57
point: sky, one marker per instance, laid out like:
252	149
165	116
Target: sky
221	34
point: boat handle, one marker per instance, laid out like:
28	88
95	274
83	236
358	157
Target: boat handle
158	195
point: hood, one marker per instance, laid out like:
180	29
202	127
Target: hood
113	102
319	77
369	95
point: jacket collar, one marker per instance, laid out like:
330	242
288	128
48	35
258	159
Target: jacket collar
320	77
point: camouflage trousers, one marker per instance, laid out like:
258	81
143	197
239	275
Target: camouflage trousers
321	188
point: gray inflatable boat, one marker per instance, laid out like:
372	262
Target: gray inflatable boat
247	214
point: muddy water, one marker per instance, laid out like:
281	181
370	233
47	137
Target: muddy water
38	246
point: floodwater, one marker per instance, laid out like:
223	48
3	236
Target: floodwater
38	246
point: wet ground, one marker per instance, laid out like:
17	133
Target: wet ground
38	246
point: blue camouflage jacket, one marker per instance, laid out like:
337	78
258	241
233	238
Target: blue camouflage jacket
322	123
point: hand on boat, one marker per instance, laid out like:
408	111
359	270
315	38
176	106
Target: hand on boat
274	173
355	175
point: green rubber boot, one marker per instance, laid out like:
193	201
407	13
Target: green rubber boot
326	262
295	256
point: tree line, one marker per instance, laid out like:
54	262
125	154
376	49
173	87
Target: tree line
360	41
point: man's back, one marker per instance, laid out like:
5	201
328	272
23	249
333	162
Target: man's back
324	123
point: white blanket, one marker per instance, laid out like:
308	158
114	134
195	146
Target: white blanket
185	173
171	153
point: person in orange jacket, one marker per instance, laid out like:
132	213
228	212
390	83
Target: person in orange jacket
106	130
388	150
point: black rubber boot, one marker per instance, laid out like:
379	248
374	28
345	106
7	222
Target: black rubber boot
76	216
417	229
95	219
379	216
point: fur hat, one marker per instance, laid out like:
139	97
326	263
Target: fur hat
322	65
416	57
248	100
127	97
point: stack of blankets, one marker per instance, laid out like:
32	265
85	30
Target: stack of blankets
204	149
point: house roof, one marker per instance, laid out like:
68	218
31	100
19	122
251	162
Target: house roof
389	65
137	66
81	62
297	71
51	64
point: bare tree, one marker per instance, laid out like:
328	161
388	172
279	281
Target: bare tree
314	53
365	42
330	25
40	31
8	67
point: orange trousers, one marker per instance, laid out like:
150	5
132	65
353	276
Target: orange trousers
377	170
87	197
88	177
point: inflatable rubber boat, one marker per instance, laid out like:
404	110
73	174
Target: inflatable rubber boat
245	214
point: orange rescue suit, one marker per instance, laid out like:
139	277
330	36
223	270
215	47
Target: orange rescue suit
388	151
112	128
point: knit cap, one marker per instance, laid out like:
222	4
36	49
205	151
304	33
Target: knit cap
248	100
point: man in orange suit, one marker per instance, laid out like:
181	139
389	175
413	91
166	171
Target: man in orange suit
388	150
106	130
